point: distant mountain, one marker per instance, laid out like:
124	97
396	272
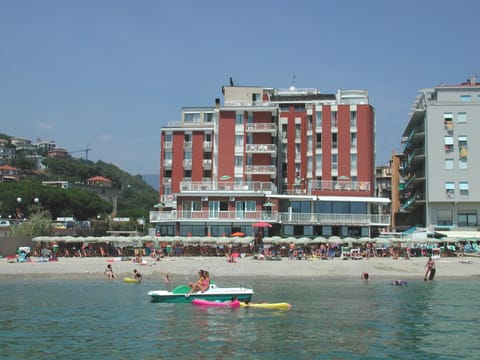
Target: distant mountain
152	180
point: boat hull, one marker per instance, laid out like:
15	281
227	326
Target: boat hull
214	293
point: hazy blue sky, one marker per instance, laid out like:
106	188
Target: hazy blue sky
110	73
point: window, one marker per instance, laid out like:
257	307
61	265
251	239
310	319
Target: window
353	118
461	117
448	144
467	218
168	137
448	121
192	117
188	155
208	117
465	98
334	162
299	107
334	140
301	207
297	131
238	140
168	155
463	186
353	162
250	118
319	119
448	164
334	119
353	141
187	137
187	174
463	164
319	141
444	217
462	147
238	160
239	118
450	188
318	161
284	107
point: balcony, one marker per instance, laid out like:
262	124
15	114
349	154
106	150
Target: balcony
167	164
260	169
187	163
227	186
335	219
207	146
167	145
262	128
261	148
207	164
273	217
217	216
187	145
339	185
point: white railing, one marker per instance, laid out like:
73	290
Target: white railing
261	127
228	186
260	169
339	185
273	217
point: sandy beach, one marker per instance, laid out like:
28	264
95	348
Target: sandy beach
182	269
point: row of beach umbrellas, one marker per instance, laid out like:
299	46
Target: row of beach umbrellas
242	240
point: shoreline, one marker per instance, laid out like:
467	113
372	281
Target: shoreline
184	269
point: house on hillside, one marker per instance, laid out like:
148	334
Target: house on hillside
9	173
99	181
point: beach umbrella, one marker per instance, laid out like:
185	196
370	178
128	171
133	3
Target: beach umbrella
335	240
238	234
225	177
262	224
382	241
363	240
304	240
319	240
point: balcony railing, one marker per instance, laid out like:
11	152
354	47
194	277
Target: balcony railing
261	148
261	127
334	219
339	185
227	186
260	169
273	217
167	164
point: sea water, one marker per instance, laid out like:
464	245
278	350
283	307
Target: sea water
329	319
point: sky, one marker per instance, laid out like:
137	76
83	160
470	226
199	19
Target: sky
108	75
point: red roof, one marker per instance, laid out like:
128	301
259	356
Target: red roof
7	167
99	178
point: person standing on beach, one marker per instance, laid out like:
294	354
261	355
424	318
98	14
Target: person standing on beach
430	266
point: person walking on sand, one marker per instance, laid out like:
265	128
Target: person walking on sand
430	266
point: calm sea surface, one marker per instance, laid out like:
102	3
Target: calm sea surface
330	319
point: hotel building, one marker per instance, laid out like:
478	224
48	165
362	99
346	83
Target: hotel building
440	188
298	159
